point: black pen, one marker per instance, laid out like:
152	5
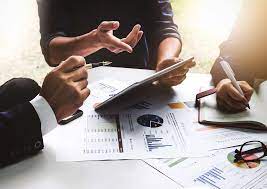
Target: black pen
98	64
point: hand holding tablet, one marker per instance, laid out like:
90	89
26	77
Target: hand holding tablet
139	86
176	76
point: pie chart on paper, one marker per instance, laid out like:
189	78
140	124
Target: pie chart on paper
150	120
244	165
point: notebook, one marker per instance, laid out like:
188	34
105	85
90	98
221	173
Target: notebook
254	118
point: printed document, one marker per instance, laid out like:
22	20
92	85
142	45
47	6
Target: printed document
216	171
125	136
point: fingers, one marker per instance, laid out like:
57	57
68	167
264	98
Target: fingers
82	84
230	104
247	89
78	74
222	105
132	39
190	64
115	43
134	33
228	98
169	62
235	95
131	43
72	63
173	81
134	36
140	35
178	75
84	94
225	105
108	25
111	42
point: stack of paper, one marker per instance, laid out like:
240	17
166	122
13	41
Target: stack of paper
161	127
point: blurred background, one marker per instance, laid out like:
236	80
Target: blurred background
204	24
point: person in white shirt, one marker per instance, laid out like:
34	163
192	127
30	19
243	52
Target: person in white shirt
27	112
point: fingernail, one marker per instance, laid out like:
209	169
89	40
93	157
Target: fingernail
115	23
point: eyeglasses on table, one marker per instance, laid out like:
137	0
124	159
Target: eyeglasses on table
251	151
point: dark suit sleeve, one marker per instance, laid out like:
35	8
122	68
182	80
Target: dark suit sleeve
159	24
240	47
20	133
53	20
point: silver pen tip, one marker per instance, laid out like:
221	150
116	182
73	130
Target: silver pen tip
106	63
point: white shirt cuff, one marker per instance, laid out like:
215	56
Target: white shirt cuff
45	113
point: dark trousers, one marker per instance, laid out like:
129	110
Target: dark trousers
17	91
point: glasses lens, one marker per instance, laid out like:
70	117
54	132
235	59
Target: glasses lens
252	151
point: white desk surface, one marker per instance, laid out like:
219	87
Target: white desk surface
43	172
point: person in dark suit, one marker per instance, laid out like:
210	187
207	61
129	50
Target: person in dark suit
27	111
246	51
67	27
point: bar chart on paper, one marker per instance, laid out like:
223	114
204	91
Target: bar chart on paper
154	142
126	136
211	177
216	171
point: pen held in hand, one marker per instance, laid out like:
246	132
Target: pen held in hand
230	74
98	64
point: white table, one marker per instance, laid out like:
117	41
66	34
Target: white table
43	172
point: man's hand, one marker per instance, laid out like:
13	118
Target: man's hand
175	77
109	41
228	97
65	88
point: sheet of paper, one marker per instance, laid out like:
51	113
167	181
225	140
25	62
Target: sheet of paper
215	171
103	90
126	136
205	137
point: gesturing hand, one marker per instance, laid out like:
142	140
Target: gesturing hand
228	97
175	77
114	44
65	88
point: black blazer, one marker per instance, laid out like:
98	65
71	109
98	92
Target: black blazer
20	133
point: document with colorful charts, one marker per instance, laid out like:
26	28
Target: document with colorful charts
216	171
140	135
179	134
206	138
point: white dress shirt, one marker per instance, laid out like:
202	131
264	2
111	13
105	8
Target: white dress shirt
45	113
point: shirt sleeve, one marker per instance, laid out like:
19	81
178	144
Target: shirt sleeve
53	20
158	25
45	113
